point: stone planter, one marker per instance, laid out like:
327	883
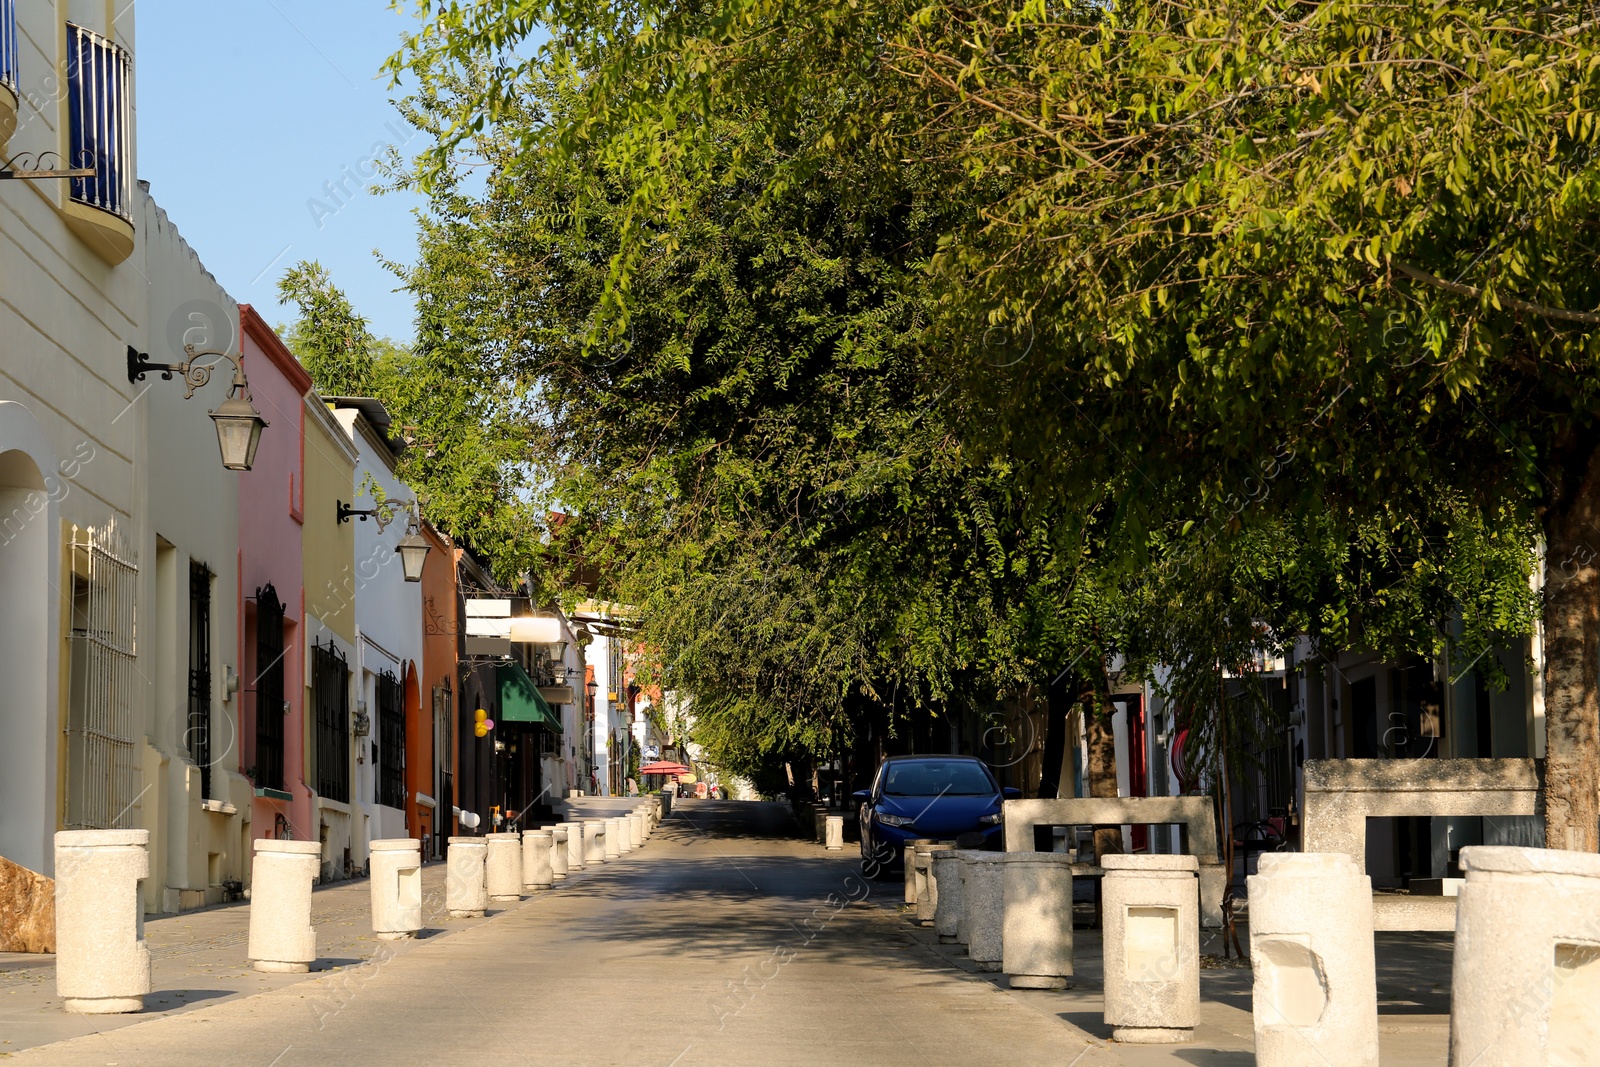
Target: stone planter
1315	997
466	892
558	852
927	886
537	872
1526	982
1151	919
281	877
1037	926
835	833
947	871
396	884
102	961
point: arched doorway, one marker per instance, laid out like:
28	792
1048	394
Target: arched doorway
29	646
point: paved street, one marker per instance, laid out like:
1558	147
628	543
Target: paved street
716	943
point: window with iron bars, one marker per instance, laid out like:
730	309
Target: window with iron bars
197	738
330	683
100	125
269	689
391	741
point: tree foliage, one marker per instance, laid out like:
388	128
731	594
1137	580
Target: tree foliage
1234	322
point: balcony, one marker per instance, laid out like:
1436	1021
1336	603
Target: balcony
99	209
8	70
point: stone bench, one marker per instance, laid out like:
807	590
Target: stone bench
1342	794
1193	814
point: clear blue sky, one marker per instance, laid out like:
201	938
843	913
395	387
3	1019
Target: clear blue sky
249	110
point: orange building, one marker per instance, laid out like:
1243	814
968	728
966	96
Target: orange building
431	734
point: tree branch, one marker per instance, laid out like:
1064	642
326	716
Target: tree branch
1588	318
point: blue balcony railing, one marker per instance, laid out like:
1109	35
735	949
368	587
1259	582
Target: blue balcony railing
8	44
99	110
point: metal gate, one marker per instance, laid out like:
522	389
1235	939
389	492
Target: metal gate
103	762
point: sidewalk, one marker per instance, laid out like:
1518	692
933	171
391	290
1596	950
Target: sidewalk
198	958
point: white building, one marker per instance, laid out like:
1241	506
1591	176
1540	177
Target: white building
118	540
389	630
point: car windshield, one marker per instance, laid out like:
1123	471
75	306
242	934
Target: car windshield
932	778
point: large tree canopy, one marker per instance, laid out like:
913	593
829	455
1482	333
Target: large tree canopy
1197	328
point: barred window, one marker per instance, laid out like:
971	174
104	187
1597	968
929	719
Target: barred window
391	741
331	688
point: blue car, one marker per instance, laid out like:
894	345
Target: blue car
941	798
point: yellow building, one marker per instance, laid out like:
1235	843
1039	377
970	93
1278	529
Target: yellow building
329	634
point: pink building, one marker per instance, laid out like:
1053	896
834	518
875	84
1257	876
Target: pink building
271	593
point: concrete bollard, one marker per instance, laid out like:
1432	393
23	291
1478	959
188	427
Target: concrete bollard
575	857
835	840
503	868
927	886
396	884
594	842
538	874
102	961
636	829
1037	924
558	852
947	871
615	846
466	886
281	877
1150	914
1526	979
983	906
910	867
1315	997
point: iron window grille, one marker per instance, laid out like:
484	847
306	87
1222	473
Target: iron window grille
103	766
269	689
198	736
391	741
100	127
330	683
8	44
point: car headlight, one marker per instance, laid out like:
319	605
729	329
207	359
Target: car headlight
893	820
990	820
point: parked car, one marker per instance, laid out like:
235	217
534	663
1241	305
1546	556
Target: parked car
942	798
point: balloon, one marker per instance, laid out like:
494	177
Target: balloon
488	724
480	715
481	730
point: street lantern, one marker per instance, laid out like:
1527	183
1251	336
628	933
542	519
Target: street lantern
239	424
413	549
239	427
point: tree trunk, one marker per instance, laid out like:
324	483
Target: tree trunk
1572	660
1059	699
1102	767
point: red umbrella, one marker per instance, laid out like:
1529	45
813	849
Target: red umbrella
662	767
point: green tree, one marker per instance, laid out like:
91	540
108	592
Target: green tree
1351	233
463	441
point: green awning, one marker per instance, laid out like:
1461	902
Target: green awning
520	700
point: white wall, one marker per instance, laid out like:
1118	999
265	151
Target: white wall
388	621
